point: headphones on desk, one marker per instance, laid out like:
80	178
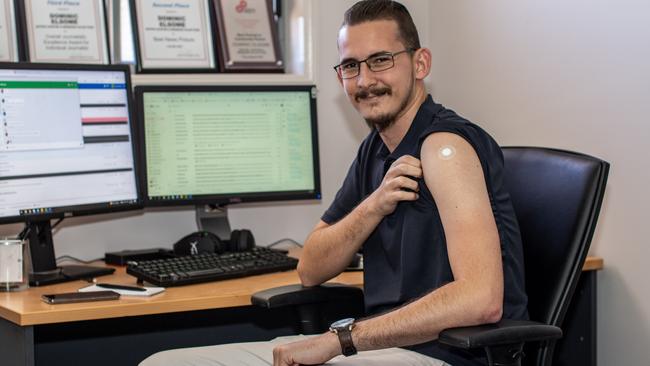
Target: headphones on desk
241	240
206	242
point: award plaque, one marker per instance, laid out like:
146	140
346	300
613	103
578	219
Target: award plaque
173	36
248	39
66	31
8	38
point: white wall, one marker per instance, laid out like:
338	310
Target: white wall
573	75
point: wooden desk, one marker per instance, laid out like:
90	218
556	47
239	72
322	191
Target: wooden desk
26	308
33	332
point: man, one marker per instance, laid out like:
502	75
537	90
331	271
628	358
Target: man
424	200
425	203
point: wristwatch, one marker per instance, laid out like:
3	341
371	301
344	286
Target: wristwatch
343	329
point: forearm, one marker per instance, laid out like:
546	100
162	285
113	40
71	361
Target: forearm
453	305
328	250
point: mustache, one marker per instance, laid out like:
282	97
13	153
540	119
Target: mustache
376	91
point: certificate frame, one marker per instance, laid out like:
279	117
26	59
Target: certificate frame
9	33
100	36
138	40
226	55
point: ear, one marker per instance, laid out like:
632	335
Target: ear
422	63
340	79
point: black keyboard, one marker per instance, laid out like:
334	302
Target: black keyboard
210	267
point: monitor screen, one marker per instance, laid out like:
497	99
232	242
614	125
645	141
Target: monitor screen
66	143
227	144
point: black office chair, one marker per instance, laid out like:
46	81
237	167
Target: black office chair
557	197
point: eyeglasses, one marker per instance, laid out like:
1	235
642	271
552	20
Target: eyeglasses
377	62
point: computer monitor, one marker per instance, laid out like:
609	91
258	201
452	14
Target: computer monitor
218	145
67	149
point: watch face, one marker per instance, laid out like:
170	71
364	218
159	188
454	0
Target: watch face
343	323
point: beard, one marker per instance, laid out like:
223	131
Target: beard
383	121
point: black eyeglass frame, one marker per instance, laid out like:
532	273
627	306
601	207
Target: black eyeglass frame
337	68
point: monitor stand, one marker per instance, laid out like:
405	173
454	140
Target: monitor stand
44	268
214	219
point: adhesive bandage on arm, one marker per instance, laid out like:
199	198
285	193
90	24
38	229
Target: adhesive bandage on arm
446	152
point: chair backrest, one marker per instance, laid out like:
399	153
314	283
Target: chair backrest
557	196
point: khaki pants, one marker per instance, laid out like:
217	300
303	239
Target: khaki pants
261	353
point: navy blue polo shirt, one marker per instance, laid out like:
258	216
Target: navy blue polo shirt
405	257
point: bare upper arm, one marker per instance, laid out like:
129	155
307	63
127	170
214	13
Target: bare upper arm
320	225
453	173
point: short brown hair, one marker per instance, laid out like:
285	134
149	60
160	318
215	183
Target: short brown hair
369	10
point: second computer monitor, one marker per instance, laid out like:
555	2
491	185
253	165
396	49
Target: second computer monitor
227	144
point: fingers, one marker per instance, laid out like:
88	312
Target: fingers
404	173
282	356
397	196
407	159
399	184
278	356
404	183
407	166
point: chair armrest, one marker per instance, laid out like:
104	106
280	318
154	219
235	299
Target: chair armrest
294	295
505	332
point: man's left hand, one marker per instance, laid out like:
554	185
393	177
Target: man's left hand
312	351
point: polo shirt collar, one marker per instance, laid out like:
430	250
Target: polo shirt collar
422	120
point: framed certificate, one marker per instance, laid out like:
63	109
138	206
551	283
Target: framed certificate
248	39
65	31
174	36
9	45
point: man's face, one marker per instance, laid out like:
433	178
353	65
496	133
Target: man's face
380	97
